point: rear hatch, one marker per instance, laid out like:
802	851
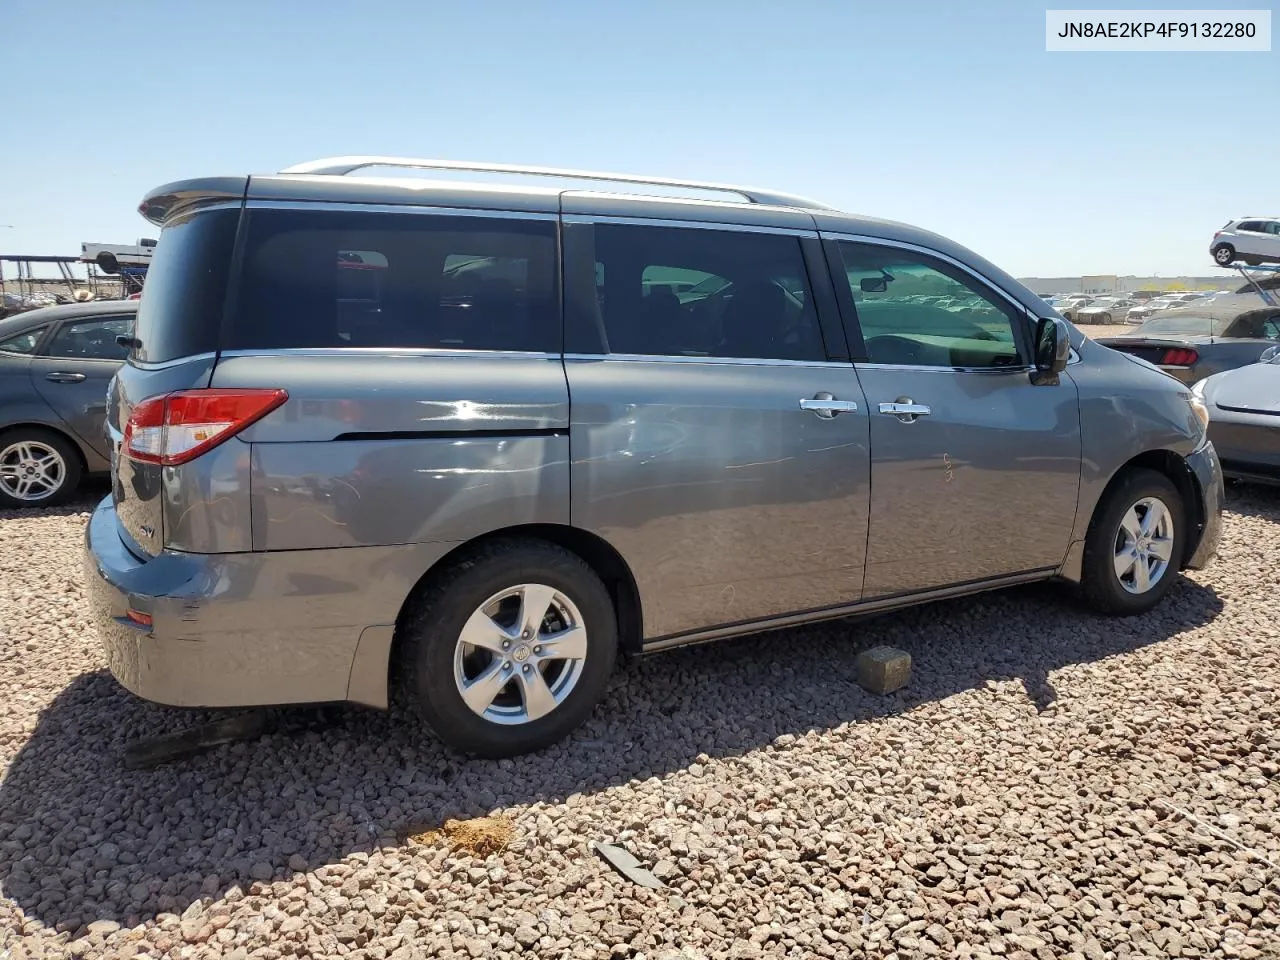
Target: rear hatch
177	336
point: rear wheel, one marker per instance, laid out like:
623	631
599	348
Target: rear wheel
1224	254
38	468
511	649
1252	261
1133	549
1104	318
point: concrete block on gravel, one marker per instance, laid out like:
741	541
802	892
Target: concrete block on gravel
884	669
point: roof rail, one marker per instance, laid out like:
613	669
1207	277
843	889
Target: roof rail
340	166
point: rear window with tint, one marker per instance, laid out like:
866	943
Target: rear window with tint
324	279
186	286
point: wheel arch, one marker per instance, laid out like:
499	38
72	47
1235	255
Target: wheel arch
603	558
1173	466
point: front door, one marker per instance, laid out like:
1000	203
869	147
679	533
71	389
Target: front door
716	443
74	368
975	471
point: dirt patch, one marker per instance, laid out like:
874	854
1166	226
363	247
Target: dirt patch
480	836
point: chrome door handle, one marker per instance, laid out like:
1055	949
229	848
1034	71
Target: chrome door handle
826	406
906	409
60	376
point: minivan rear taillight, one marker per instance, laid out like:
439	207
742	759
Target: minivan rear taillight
180	426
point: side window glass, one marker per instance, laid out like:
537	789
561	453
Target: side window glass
915	310
686	292
91	339
1271	328
317	279
22	342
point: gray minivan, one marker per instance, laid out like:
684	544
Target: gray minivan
472	440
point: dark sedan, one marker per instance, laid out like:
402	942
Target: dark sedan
1244	418
1191	345
55	365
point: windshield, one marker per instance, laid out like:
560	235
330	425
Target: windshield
1191	326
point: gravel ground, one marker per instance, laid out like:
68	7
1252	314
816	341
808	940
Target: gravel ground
1050	785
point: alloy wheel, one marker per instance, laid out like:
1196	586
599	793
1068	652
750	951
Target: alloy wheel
520	654
31	471
1144	545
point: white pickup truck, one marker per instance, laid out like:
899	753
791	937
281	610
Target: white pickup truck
110	257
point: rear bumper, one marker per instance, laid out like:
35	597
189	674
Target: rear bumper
249	629
1207	471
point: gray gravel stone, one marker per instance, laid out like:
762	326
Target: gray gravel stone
1050	784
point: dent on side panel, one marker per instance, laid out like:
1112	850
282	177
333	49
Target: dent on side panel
1126	409
251	628
388	491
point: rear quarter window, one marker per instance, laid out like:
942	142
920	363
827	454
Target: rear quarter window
329	280
186	286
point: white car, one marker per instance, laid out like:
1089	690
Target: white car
1145	311
1105	310
1253	240
1070	305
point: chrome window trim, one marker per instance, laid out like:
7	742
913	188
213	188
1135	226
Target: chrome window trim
629	221
739	361
163	364
922	368
938	254
198	207
332	206
439	352
1018	306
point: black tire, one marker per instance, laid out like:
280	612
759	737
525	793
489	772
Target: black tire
432	629
1101	587
1252	261
1224	254
71	468
1104	319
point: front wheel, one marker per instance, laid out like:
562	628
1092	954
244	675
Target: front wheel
511	649
1105	319
1224	254
1133	549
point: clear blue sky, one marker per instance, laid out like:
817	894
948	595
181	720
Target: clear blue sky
947	115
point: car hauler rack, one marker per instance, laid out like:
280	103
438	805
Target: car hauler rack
1268	296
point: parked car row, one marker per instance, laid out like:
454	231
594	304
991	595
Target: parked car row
1121	308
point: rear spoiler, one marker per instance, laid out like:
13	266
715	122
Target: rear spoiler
163	202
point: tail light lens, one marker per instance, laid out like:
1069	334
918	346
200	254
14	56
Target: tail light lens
1179	357
179	427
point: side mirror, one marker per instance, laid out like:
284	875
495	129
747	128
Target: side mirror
1052	350
873	284
1270	355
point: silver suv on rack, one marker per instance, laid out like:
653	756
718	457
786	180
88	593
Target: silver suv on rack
473	440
